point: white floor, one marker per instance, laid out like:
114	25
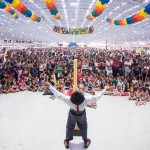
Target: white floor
31	121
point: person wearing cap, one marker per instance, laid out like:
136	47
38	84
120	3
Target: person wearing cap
77	112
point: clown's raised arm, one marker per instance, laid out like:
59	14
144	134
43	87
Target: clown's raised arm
95	98
66	99
60	95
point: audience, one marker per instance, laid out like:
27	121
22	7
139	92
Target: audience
126	72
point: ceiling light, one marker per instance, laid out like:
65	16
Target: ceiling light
146	1
73	4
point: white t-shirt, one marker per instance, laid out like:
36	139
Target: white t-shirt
109	65
85	66
134	81
127	63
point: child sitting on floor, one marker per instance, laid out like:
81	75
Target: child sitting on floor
132	93
124	90
110	92
22	85
147	95
97	84
14	88
5	88
117	91
90	88
142	100
138	96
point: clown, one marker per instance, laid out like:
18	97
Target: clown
77	113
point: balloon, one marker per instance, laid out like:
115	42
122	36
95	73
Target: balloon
147	9
57	16
139	16
105	1
54	12
27	13
15	3
143	13
129	20
8	9
9	1
73	31
98	9
116	22
2	5
51	5
23	9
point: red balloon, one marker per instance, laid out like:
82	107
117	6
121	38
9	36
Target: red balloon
51	6
22	8
97	10
136	17
120	22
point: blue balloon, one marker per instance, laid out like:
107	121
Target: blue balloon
104	1
2	5
9	1
28	13
13	12
116	22
107	19
147	9
129	20
39	19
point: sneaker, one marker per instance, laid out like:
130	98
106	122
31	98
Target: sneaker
87	143
66	143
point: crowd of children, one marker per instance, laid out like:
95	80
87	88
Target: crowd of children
126	72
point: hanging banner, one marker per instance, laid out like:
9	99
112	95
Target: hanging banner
8	9
139	16
98	9
16	4
51	5
74	31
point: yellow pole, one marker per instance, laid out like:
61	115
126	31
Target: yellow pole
54	77
75	74
76	129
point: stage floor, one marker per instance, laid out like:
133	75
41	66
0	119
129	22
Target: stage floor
31	121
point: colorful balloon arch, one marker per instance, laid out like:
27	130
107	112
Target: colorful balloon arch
24	10
98	9
139	16
8	9
51	5
74	31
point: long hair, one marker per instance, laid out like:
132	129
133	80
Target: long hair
77	98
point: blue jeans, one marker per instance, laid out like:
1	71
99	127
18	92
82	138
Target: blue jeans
81	122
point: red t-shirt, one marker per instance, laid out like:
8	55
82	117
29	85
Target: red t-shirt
116	64
79	75
69	93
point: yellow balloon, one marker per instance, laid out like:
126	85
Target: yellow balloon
143	13
47	1
32	17
112	21
15	3
100	5
6	8
124	22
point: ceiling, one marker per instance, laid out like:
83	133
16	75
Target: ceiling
73	14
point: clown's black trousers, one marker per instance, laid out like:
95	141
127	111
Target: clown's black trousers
81	121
